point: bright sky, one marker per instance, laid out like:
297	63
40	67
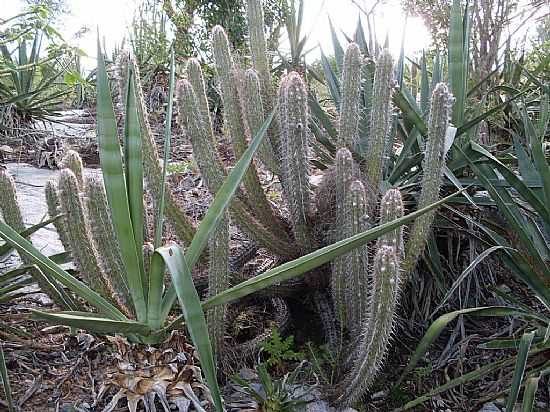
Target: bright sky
113	16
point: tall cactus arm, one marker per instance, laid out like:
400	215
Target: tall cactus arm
432	166
218	281
78	234
357	261
253	110
379	124
348	133
105	241
9	207
391	208
377	330
54	209
339	278
260	62
230	78
295	161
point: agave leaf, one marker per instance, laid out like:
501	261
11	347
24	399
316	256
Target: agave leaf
116	188
194	316
519	370
531	386
6	381
6	248
90	321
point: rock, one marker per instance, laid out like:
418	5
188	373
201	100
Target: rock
490	407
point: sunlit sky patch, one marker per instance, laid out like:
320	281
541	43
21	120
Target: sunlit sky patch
112	17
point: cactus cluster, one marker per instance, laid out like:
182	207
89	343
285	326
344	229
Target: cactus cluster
359	307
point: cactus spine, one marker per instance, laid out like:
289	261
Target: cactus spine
295	160
432	166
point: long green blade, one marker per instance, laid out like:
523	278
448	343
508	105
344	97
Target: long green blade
519	370
6	381
313	260
93	323
529	394
194	315
115	187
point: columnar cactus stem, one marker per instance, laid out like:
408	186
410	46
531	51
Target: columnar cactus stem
9	207
391	208
348	133
212	170
339	281
294	127
357	261
432	166
54	209
377	331
379	124
105	241
230	80
218	281
183	227
253	109
78	233
260	63
73	162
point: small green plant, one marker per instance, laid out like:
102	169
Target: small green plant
280	350
278	395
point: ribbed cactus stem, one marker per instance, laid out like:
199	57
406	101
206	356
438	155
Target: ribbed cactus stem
11	213
357	261
348	133
200	133
78	233
105	241
432	166
339	278
377	329
212	169
121	72
253	110
196	78
218	281
391	208
295	160
182	225
54	209
379	124
260	62
231	78
73	161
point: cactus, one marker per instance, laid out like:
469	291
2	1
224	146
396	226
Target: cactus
348	125
73	162
379	124
295	157
218	281
432	166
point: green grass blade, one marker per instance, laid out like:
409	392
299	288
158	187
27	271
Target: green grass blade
531	386
465	273
217	208
167	137
441	323
6	381
313	260
92	322
194	316
115	187
519	370
26	248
